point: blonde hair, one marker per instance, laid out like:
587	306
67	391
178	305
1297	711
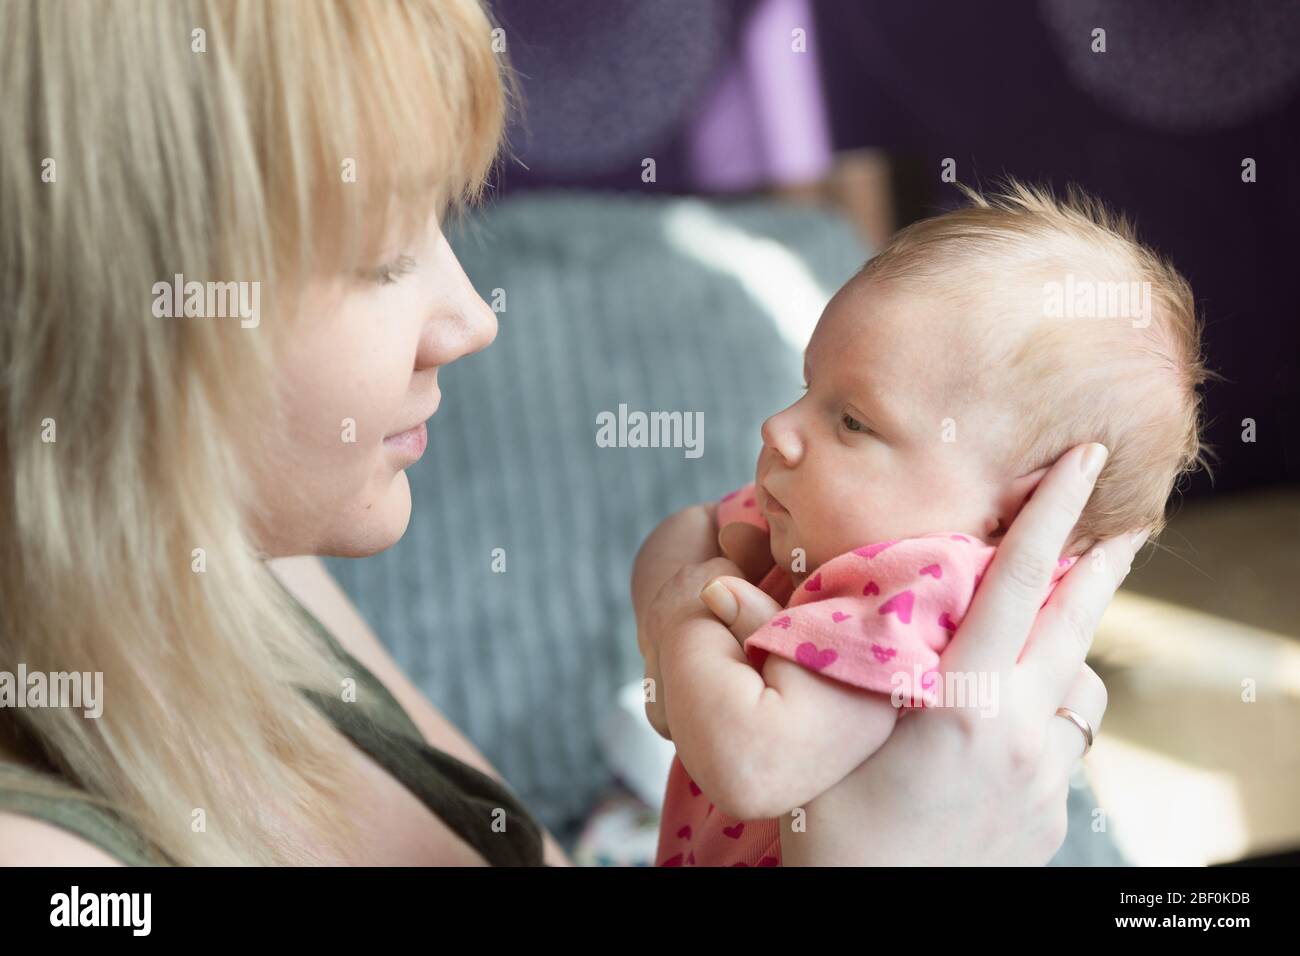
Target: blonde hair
212	139
1133	386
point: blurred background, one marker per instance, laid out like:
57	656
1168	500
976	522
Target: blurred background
688	182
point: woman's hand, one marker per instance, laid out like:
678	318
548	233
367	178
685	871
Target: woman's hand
951	786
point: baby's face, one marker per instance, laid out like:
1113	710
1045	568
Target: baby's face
868	453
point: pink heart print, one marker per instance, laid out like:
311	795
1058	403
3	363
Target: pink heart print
946	622
900	604
871	550
782	621
933	570
871	588
684	833
734	831
840	616
814	583
883	654
809	656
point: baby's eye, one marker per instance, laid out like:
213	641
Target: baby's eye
852	424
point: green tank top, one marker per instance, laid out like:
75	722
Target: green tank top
465	798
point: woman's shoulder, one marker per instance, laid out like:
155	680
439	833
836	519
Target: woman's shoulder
27	841
44	821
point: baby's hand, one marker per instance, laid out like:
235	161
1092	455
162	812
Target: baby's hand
673	610
749	547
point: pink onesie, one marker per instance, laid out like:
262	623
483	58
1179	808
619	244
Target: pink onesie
877	618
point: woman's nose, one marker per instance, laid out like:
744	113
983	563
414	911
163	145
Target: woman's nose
781	435
477	317
463	325
480	321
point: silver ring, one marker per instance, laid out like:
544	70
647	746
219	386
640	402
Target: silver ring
1084	727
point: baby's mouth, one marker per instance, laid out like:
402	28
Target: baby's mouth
772	505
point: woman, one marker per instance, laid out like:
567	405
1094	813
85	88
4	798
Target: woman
226	298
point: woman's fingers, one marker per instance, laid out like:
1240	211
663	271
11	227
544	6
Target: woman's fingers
739	605
993	633
1063	633
1065	739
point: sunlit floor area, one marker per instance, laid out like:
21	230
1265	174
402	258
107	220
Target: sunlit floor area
1198	761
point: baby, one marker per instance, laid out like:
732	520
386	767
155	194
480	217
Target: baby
941	383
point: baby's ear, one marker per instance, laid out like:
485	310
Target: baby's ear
1011	500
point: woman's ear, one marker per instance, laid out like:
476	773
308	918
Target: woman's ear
1010	502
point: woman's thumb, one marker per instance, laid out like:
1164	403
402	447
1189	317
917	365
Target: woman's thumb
739	605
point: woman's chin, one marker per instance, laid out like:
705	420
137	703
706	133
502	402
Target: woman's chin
376	526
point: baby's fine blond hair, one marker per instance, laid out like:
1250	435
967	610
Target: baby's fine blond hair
1068	365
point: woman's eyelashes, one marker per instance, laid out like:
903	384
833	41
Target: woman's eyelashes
390	272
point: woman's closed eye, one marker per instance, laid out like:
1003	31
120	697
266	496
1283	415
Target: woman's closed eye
390	272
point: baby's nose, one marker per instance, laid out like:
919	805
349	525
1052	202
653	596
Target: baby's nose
779	435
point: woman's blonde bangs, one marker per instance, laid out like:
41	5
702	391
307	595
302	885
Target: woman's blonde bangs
393	112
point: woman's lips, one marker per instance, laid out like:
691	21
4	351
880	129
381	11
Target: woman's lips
410	443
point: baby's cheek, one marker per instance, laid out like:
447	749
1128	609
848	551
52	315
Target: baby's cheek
821	540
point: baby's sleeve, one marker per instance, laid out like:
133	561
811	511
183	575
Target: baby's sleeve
741	505
879	617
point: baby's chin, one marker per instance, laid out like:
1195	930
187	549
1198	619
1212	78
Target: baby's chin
797	555
792	556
